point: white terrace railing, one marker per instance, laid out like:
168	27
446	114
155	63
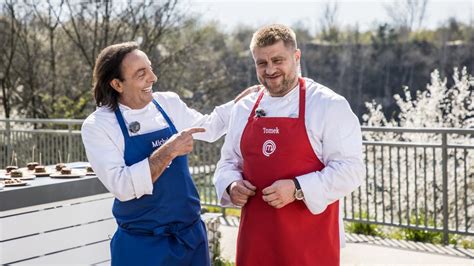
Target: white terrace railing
416	178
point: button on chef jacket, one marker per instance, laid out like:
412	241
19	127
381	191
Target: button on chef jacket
335	136
104	140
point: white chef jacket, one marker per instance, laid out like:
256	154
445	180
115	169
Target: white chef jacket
104	141
333	131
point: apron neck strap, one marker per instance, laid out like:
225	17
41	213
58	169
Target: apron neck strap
168	120
123	127
260	96
121	122
302	100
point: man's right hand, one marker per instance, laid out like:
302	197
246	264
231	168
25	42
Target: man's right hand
240	191
182	142
179	144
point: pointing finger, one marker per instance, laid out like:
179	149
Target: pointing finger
195	130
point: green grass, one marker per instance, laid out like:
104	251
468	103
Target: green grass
409	234
363	229
228	211
222	262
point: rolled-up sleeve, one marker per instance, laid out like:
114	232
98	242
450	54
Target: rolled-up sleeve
342	155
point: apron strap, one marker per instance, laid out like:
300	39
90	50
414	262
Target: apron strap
121	122
260	96
168	120
302	101
123	127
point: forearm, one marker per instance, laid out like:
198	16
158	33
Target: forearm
179	144
159	160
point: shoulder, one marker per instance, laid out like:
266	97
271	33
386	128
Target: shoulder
166	96
323	102
321	93
168	99
323	98
246	104
99	115
102	118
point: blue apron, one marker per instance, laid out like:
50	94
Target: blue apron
163	228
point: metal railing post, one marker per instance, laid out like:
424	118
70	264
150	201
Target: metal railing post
223	211
9	142
69	142
444	149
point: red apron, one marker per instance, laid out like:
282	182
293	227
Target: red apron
276	148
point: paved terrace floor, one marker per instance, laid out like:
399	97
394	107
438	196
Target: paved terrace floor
364	250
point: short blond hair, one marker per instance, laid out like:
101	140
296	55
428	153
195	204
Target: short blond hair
271	34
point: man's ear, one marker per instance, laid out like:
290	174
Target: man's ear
298	55
117	85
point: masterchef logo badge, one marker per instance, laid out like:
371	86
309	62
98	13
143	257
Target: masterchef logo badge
268	148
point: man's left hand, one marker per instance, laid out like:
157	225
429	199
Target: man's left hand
280	193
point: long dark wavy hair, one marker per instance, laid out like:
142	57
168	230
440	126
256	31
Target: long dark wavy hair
107	68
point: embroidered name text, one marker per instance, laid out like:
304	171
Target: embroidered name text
271	130
158	143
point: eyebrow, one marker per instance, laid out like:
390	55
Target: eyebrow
278	57
138	71
142	69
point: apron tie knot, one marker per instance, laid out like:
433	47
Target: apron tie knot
187	236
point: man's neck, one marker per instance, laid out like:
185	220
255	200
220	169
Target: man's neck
132	106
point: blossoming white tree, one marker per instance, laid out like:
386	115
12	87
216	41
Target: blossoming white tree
404	183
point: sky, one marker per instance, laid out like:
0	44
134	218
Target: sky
364	13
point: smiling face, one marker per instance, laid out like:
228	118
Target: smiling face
277	67
135	88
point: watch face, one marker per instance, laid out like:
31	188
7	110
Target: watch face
299	194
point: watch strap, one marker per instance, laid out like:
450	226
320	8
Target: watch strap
298	192
297	184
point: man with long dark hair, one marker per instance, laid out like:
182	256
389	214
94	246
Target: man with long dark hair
137	142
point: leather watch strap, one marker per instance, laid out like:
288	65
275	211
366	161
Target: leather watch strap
298	191
297	184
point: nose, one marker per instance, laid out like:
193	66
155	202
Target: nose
270	69
154	78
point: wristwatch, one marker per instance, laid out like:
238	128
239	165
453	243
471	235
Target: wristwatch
298	192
